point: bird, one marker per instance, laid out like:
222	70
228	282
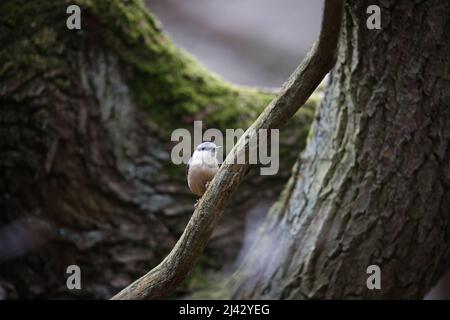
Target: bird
202	167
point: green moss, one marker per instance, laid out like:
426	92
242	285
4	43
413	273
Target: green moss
165	81
31	52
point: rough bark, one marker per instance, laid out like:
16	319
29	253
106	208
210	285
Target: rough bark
85	167
373	185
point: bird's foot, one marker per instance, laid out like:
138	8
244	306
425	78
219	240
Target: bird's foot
206	185
196	203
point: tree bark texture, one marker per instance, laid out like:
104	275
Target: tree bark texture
86	176
373	185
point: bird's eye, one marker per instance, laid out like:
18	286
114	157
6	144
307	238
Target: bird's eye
203	148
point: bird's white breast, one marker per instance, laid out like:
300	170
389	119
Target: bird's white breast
202	168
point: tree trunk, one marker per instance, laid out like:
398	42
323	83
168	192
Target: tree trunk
85	166
373	185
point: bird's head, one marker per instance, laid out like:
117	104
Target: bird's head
208	147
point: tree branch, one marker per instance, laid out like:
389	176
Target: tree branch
166	277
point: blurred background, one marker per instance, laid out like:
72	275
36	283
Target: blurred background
248	42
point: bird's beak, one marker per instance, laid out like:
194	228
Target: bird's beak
219	147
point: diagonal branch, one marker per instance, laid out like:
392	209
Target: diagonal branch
168	275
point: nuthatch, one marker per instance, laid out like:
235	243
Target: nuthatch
202	167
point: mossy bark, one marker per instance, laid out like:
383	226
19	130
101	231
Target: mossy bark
373	185
86	117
